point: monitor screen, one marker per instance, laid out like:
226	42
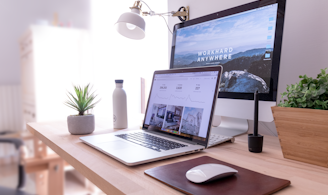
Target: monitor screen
182	103
243	43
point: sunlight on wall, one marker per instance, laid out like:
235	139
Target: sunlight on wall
117	57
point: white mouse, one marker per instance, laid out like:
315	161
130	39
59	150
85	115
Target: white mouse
209	172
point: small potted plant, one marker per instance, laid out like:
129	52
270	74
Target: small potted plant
82	123
302	120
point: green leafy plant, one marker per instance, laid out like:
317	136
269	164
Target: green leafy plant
308	93
83	100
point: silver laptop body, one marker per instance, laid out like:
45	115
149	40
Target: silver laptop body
177	121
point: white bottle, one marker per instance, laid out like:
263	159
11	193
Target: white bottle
120	115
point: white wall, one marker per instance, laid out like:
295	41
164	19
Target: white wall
117	57
305	40
17	15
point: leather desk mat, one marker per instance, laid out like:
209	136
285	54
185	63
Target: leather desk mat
244	182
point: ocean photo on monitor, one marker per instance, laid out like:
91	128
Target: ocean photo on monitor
241	43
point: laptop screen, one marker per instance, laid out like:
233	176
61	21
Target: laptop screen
181	103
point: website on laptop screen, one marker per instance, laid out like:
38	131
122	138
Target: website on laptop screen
181	103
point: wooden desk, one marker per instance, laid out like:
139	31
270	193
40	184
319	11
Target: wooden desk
114	177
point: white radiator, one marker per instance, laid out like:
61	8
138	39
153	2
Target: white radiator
11	115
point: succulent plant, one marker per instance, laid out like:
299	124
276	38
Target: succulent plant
83	100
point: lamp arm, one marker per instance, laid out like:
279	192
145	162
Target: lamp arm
152	13
182	13
178	13
146	5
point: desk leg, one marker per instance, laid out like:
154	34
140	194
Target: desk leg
56	178
40	149
41	182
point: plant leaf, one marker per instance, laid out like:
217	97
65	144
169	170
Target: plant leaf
83	99
308	93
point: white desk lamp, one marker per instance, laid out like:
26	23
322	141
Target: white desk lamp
132	25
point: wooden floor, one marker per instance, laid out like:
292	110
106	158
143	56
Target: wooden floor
114	177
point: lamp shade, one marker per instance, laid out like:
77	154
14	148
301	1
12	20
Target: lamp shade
131	25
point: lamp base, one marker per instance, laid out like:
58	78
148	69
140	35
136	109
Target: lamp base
255	143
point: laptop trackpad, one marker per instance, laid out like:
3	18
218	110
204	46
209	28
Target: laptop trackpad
114	145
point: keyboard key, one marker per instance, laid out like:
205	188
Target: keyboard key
151	142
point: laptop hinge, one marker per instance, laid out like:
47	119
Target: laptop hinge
172	137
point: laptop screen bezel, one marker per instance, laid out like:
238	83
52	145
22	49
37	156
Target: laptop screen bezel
215	95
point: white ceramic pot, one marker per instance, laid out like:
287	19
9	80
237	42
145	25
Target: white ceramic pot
80	125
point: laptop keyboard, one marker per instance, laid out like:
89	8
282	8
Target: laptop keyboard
150	141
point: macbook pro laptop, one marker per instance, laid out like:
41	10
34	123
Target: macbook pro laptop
177	121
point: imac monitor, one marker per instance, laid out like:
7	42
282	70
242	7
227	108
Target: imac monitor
246	41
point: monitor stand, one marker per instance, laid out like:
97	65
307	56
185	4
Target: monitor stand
230	126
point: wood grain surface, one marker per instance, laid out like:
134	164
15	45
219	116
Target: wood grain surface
303	134
114	177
